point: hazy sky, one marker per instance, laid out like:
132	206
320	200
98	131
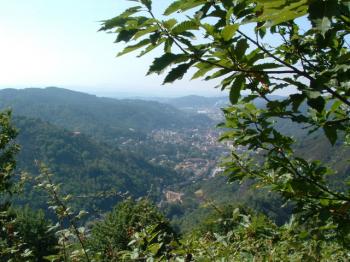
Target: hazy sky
56	43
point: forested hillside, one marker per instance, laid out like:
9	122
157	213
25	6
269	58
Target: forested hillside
99	117
89	163
86	168
131	180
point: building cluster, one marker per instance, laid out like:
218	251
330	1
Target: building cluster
196	166
204	140
173	197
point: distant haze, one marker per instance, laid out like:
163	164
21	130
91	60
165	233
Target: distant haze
56	43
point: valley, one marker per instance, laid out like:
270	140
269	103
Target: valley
169	147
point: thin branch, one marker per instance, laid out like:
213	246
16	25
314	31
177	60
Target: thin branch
200	59
311	181
70	218
295	70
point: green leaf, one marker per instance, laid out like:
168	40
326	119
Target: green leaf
161	63
218	73
168	24
151	47
175	6
177	73
321	13
131	48
336	104
236	88
265	66
130	11
274	12
148	30
147	3
168	44
154	248
119	20
183	5
317	103
203	69
228	32
296	100
184	26
241	47
228	15
331	133
323	25
125	35
313	94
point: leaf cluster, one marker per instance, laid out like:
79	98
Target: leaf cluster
260	47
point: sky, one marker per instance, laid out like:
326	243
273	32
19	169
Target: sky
57	43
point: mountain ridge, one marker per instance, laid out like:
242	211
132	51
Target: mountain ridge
97	116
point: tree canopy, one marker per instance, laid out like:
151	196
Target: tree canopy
258	48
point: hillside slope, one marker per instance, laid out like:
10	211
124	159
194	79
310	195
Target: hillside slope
85	166
100	117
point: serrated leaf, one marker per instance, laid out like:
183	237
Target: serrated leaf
218	73
168	44
130	11
265	66
323	25
317	103
277	11
229	31
183	5
228	15
296	100
151	47
210	30
205	68
148	30
175	6
331	133
241	47
177	73
131	48
184	26
236	88
147	3
161	63
125	35
168	24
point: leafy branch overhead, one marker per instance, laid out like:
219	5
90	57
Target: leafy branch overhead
258	48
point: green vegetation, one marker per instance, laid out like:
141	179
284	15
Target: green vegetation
32	228
113	234
98	174
102	118
312	59
229	40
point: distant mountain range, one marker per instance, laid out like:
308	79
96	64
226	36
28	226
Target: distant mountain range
77	135
96	116
195	102
200	102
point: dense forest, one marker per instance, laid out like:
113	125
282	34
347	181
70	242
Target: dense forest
100	117
99	175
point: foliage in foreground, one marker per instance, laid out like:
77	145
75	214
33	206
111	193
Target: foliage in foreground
313	59
237	234
114	233
262	47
